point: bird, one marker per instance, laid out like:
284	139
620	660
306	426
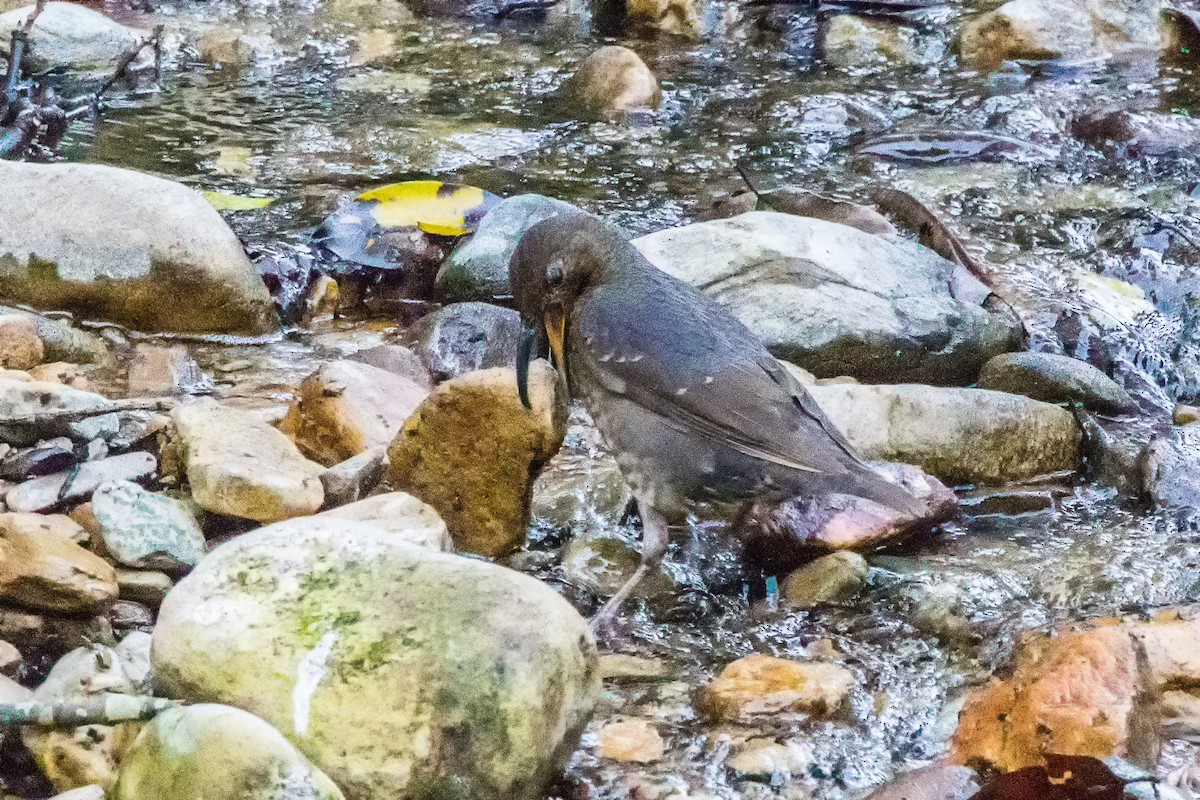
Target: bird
701	418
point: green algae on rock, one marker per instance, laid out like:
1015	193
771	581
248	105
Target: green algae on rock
399	671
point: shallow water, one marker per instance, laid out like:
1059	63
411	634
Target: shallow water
469	102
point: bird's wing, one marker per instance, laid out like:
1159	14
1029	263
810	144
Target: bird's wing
687	363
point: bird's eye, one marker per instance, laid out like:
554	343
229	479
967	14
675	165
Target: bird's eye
554	275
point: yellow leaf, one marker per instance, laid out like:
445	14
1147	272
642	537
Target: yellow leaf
236	202
434	207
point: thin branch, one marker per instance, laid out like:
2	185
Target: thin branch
67	415
127	59
508	9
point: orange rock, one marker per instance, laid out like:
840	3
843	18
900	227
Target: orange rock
631	740
1082	692
759	684
20	345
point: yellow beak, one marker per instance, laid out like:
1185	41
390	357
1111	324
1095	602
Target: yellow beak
556	332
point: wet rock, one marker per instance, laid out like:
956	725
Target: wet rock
92	792
178	754
1054	378
465	337
47	492
1050	29
127	616
835	300
352	479
1008	503
235	47
759	684
854	42
625	668
1140	133
45	459
477	269
631	740
1171	468
143	586
157	370
676	17
959	435
834	578
472	451
142	529
1078	693
602	562
610	82
20	345
239	465
763	758
399	671
397	360
935	782
781	537
72	35
346	408
122	242
56	526
51	573
88	754
574	491
402	515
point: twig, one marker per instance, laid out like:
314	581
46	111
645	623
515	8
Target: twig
60	416
126	60
38	8
104	709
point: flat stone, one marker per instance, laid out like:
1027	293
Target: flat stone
47	492
50	573
146	530
472	451
24	398
935	782
345	408
56	525
402	515
20	345
1054	378
632	740
239	465
396	359
1171	468
155	370
760	685
765	759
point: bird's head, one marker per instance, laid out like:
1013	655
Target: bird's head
555	262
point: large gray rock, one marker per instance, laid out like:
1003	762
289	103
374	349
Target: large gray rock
28	406
1054	378
125	247
477	269
399	671
146	530
958	435
1047	29
218	753
464	337
836	300
71	35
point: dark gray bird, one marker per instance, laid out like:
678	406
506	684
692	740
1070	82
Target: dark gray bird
701	418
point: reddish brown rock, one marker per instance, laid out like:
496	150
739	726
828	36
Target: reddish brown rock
1083	692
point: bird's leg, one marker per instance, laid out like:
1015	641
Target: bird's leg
654	547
